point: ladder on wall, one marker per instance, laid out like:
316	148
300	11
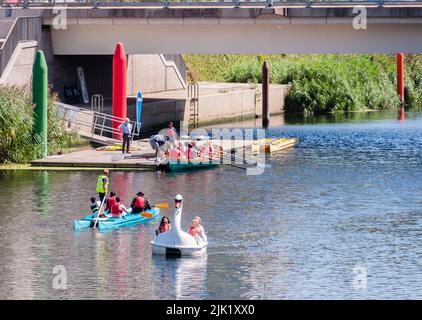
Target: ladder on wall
193	96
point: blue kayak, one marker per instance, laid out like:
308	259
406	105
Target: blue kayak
113	223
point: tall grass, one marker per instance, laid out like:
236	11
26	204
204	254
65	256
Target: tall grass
18	143
319	83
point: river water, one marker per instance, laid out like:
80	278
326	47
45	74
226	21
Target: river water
338	217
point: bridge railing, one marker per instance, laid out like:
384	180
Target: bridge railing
23	29
92	123
201	3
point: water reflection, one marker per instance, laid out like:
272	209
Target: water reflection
350	193
184	277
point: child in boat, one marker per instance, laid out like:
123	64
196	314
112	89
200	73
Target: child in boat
196	230
117	209
95	205
110	201
164	226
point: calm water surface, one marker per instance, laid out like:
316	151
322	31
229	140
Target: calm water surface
346	202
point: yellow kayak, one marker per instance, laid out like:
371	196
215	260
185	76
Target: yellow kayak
270	145
116	147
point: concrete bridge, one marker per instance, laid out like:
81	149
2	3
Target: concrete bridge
93	28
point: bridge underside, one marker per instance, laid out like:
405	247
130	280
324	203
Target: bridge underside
270	36
231	30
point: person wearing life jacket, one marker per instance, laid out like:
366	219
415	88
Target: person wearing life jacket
171	133
140	203
191	152
102	184
164	226
117	209
174	153
194	229
201	228
95	206
206	152
111	200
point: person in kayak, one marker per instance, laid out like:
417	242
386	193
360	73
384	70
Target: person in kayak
164	226
111	200
117	209
102	184
95	205
140	203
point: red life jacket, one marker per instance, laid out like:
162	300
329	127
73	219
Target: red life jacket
193	231
189	149
110	202
171	132
116	209
139	202
164	227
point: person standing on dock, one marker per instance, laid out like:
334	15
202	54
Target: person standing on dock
171	133
126	127
102	184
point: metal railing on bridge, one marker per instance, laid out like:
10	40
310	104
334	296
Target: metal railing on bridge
93	125
206	3
23	29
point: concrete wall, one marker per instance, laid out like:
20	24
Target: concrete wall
152	73
19	69
238	104
5	25
218	102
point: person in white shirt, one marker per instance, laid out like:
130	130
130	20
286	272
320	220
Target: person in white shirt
126	127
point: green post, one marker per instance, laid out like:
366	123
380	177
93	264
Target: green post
40	97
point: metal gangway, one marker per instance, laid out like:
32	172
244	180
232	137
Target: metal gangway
93	125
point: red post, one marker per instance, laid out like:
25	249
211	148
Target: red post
400	76
119	87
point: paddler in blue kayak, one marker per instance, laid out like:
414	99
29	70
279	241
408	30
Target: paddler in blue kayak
111	200
95	205
117	209
139	203
102	184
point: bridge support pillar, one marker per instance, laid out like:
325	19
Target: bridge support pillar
265	92
40	99
119	87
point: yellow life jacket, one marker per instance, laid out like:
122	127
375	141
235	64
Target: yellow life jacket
100	188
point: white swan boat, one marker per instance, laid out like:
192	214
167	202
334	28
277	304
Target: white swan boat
178	242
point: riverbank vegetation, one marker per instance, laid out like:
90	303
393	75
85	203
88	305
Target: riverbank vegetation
18	143
319	83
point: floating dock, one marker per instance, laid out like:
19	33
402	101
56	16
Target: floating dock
143	158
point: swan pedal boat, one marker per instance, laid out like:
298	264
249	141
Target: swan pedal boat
269	145
109	223
177	242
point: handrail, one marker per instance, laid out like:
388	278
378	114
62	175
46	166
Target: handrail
98	122
22	29
203	3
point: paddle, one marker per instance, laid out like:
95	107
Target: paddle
163	205
99	211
